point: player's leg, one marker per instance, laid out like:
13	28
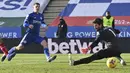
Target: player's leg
97	56
15	48
122	61
25	41
42	41
12	51
3	49
46	51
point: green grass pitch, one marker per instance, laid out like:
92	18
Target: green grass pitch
36	63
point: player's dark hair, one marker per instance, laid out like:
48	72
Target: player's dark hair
36	3
108	12
98	21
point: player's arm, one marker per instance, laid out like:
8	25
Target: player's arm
27	22
43	19
113	26
43	24
95	43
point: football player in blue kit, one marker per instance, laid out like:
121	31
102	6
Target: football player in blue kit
32	22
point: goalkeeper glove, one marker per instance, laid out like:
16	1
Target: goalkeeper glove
84	51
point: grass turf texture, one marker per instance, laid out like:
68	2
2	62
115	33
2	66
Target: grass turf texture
36	63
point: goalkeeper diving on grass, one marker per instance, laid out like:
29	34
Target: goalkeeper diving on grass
32	22
107	35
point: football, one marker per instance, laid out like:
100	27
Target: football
111	62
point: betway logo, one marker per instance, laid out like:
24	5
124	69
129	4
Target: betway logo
73	46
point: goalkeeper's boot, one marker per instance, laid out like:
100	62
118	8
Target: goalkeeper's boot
71	61
122	62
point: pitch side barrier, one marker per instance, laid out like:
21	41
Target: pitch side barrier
65	46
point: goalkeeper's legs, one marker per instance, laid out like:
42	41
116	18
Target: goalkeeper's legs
96	56
99	55
122	61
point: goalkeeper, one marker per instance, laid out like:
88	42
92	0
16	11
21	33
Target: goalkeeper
107	35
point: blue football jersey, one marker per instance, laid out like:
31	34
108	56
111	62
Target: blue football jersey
36	19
